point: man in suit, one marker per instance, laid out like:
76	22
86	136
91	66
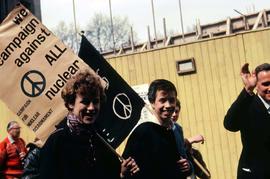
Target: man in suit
250	114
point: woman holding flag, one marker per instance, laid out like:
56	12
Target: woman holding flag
76	150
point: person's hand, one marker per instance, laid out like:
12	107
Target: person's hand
183	164
129	167
249	79
22	155
196	139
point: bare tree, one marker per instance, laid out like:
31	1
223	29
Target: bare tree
99	32
68	35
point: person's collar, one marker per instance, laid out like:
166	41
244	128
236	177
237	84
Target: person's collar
153	117
11	140
174	126
266	104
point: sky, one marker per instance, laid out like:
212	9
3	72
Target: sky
140	16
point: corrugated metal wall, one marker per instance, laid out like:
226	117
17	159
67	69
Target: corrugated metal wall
205	95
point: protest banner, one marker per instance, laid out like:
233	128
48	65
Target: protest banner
123	107
34	67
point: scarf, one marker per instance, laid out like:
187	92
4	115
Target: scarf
77	127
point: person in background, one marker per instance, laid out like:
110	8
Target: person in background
75	150
195	156
186	146
153	145
250	114
177	129
32	160
12	152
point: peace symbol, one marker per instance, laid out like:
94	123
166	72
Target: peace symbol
122	107
33	83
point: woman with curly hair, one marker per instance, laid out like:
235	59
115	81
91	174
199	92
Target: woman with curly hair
75	150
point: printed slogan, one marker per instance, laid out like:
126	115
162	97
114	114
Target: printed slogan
34	67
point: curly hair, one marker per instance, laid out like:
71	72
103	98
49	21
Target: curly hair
85	84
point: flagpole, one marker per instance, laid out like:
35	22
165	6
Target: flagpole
75	22
112	29
154	21
181	21
121	159
201	167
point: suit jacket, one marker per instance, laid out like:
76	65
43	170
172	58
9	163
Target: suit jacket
249	116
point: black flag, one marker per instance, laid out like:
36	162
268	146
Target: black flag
123	106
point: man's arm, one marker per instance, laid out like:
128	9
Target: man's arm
138	149
237	113
233	120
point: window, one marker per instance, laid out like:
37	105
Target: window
186	66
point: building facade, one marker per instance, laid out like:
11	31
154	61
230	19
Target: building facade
205	94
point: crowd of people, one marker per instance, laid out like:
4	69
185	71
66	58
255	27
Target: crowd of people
156	150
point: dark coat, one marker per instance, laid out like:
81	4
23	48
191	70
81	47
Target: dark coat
69	156
180	143
249	116
31	164
154	149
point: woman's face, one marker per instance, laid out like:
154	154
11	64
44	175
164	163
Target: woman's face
86	108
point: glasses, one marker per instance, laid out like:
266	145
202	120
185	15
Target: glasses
15	128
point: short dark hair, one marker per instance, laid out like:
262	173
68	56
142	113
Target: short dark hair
160	84
178	104
84	83
262	67
10	124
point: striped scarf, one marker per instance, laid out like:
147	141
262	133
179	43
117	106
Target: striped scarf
77	127
74	124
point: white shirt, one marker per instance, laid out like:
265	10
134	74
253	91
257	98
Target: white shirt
266	104
11	140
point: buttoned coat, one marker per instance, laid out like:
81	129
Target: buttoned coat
249	116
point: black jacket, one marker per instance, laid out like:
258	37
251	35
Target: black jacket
69	156
249	116
154	149
31	164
